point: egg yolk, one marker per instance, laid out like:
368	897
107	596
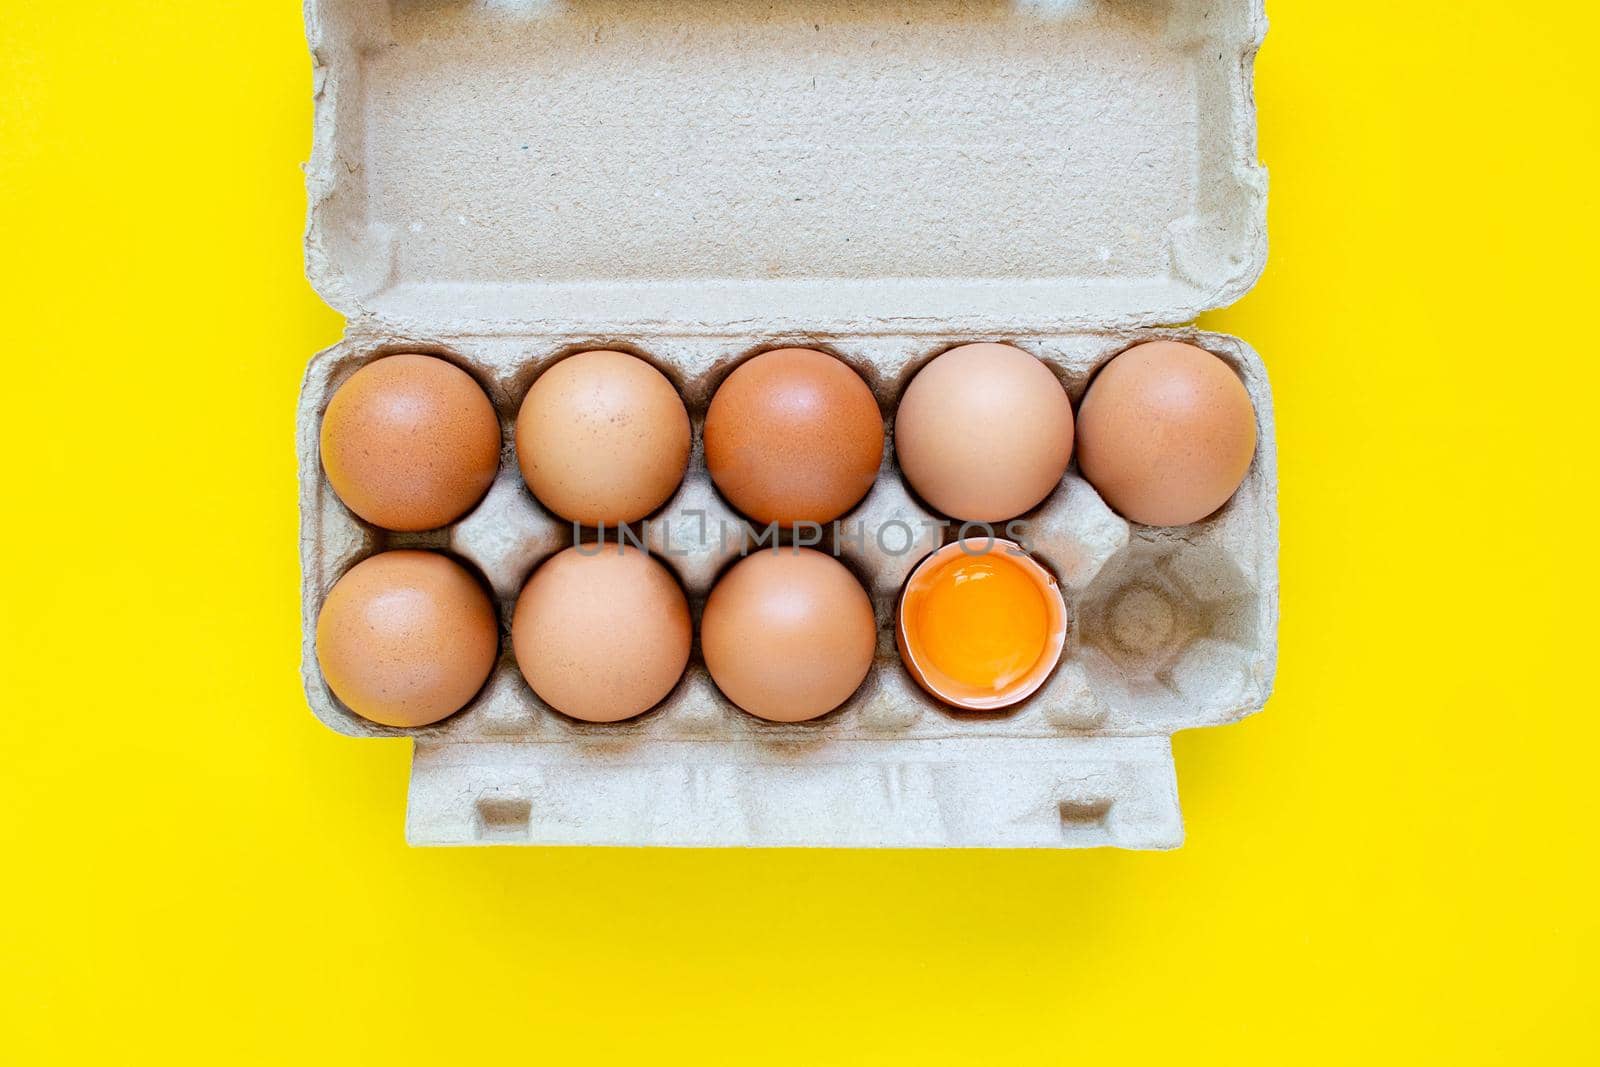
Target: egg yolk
981	620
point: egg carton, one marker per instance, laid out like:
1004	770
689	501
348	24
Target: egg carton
503	184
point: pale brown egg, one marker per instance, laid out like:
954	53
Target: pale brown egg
1166	433
602	437
601	632
788	634
406	638
410	442
794	435
984	432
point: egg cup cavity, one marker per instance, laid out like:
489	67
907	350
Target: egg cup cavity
1171	633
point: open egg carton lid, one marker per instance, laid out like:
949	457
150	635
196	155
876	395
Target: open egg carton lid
499	180
610	166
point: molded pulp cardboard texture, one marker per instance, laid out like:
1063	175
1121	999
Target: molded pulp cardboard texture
505	182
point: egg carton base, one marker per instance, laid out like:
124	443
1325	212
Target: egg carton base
965	793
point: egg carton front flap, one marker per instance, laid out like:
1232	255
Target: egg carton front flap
486	166
969	793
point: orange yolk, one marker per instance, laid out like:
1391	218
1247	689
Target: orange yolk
980	620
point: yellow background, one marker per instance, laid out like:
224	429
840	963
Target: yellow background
1395	860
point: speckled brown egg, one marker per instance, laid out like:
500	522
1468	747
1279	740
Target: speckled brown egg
410	442
1166	433
788	634
984	432
406	638
793	435
602	437
601	632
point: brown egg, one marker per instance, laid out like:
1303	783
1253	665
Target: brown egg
984	432
602	437
410	442
406	638
601	632
1166	433
788	634
794	435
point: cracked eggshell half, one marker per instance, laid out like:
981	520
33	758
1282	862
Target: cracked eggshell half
980	624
